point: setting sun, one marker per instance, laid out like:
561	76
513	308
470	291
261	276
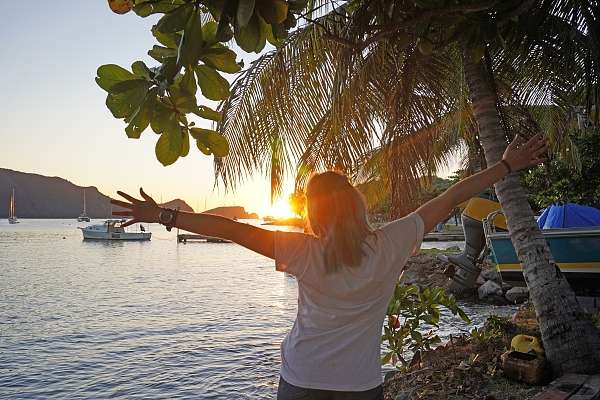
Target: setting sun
280	209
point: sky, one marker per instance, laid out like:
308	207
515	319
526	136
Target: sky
53	118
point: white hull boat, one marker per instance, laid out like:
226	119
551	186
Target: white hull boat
113	230
12	216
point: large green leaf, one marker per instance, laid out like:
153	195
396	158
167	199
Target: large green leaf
168	147
176	20
209	33
124	104
145	8
125	86
208	113
249	37
209	142
163	118
221	58
185	144
183	101
183	92
270	33
212	84
141	70
280	33
188	82
203	148
171	40
273	11
111	74
245	9
160	53
191	42
141	118
224	32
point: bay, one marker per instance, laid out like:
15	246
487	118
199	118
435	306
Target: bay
135	320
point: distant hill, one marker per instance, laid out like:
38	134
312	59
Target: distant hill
233	212
39	196
178	204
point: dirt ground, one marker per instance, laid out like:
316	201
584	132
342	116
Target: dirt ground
467	367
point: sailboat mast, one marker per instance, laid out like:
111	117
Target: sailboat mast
12	204
84	211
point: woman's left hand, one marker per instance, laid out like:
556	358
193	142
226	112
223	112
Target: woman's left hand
521	155
139	210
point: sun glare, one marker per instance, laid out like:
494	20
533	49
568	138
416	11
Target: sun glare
280	209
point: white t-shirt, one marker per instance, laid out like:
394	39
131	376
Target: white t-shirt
336	338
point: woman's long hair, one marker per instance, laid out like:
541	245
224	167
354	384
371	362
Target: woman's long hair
337	215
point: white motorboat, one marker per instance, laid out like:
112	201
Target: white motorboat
112	229
12	215
83	217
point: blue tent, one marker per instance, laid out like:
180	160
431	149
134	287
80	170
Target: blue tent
569	216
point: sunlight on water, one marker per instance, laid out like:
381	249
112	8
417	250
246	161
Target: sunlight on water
140	320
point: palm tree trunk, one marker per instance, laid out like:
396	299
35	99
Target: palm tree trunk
571	342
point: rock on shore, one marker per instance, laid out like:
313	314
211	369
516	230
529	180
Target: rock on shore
429	269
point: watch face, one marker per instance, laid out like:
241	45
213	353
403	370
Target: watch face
165	216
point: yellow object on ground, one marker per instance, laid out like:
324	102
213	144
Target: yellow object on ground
478	208
527	344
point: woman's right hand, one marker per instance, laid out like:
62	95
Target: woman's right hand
139	210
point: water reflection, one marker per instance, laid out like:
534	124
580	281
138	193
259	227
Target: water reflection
141	319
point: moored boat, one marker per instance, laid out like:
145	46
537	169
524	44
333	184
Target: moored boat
12	214
113	229
83	217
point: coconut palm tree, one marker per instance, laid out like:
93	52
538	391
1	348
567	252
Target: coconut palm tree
412	77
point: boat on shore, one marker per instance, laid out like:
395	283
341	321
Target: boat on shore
575	250
112	229
12	214
571	231
83	217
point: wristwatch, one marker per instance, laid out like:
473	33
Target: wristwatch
167	217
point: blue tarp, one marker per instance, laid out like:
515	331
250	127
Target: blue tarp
569	216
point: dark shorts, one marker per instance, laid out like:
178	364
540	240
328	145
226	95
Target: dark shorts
287	391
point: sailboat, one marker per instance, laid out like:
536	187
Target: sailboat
12	216
83	217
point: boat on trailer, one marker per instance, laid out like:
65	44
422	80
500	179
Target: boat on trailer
112	229
575	249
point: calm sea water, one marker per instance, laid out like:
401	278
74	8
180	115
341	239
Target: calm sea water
145	320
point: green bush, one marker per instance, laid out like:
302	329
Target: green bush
410	311
558	181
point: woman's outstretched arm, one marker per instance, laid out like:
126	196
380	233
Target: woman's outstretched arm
251	237
517	156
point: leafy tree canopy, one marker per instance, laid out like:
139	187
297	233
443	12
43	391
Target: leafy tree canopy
192	53
559	181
